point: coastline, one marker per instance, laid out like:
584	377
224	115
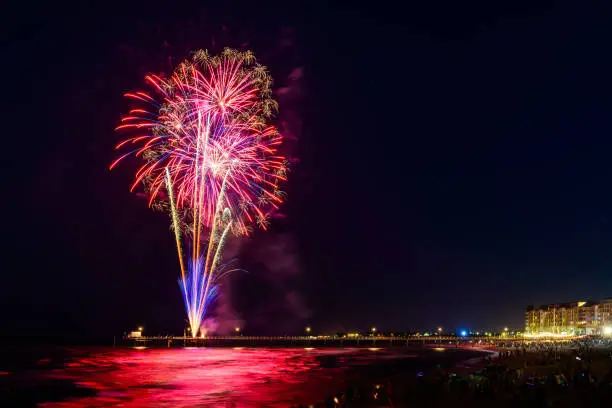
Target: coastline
477	363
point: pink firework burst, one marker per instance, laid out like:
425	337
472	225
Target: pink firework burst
208	128
210	156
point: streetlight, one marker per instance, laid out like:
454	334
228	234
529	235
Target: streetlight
374	330
308	329
237	329
140	328
440	330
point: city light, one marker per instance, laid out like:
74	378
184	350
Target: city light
607	330
463	333
582	317
308	329
140	328
547	334
373	329
439	330
237	329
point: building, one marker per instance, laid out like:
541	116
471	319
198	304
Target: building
587	317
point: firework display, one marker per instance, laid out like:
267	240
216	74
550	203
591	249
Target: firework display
210	158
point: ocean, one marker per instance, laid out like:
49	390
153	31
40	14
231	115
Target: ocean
201	377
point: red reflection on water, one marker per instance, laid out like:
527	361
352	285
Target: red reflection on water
199	377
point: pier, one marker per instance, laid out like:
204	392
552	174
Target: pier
319	341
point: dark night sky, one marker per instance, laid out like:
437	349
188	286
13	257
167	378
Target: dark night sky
453	165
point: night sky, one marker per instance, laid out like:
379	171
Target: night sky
450	165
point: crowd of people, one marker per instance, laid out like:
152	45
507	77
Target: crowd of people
570	374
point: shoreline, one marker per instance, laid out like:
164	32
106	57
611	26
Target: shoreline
477	363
